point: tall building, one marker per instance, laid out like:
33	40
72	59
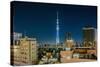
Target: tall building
28	51
15	50
89	36
69	42
25	52
57	30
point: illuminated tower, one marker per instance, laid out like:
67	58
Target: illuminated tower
57	30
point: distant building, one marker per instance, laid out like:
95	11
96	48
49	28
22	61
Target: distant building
69	42
15	38
89	36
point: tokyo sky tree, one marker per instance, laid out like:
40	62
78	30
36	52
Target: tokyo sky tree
57	30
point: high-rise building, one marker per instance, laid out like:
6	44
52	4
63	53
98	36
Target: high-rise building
25	52
28	51
57	30
69	42
89	36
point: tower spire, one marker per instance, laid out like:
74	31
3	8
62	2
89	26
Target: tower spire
57	29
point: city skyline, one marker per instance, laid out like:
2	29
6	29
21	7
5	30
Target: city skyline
44	33
33	20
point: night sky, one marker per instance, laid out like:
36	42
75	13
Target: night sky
39	20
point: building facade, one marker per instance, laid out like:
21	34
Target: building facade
24	51
15	55
15	38
89	36
28	51
69	42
